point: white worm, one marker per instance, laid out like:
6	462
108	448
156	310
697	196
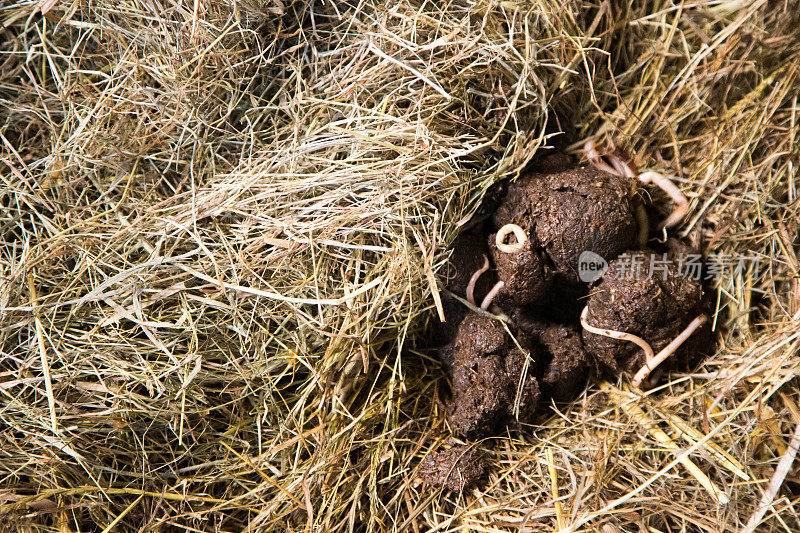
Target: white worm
666	185
652	362
620	335
474	279
503	232
594	158
622	168
487	301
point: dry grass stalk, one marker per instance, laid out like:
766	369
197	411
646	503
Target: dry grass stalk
222	228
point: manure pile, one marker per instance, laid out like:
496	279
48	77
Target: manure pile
229	232
526	335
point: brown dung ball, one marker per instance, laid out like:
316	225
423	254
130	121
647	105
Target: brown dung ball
573	211
485	374
525	273
566	366
654	305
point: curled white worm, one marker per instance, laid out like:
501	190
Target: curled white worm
487	300
619	335
624	169
622	166
619	166
652	362
590	149
474	279
503	232
666	185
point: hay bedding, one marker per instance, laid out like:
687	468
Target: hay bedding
222	226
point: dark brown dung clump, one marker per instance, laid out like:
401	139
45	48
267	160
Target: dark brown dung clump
566	373
534	350
487	367
526	274
654	305
566	366
573	211
455	469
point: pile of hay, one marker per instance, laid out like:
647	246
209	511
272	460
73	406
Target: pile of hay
222	229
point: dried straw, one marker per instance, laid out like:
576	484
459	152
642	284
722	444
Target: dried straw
222	234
